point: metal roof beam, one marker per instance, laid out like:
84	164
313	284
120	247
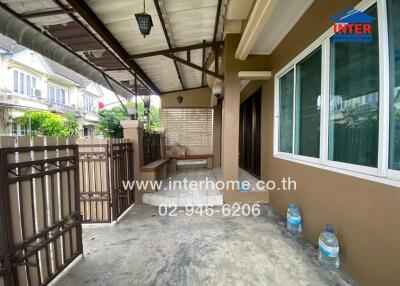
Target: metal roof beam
47	13
217	20
177	50
194	66
157	4
91	18
178	90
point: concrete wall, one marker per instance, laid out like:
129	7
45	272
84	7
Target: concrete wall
195	98
365	214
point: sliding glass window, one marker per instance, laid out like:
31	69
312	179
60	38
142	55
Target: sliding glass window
286	85
394	46
308	105
354	100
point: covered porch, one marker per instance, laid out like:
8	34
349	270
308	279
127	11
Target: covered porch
250	91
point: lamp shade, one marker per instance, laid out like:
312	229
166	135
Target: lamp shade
132	110
145	23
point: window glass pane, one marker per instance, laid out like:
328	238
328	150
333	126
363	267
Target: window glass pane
33	82
63	96
15	129
354	100
308	105
24	130
286	85
51	94
28	85
394	41
21	82
57	95
15	81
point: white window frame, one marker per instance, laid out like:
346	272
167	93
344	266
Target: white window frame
390	173
25	91
380	173
19	130
86	100
55	86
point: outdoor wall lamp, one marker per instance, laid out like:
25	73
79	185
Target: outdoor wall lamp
179	99
144	21
132	111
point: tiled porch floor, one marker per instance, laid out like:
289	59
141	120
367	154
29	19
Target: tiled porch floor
181	196
185	196
144	248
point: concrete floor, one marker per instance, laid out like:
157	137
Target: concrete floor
144	248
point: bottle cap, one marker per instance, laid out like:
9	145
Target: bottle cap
292	206
329	228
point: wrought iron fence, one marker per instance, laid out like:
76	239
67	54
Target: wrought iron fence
39	208
104	165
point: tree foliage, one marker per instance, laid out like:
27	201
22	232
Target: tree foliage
110	120
71	125
51	124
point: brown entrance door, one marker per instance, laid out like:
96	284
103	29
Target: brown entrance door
250	134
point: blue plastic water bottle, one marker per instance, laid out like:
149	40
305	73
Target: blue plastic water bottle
328	254
293	217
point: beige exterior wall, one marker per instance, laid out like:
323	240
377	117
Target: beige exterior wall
195	98
217	129
231	114
365	214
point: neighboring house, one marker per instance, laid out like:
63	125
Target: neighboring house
29	81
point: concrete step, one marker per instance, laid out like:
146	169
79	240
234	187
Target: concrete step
182	199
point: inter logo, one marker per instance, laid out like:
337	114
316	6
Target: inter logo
352	26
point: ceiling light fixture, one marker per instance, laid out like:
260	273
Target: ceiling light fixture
144	21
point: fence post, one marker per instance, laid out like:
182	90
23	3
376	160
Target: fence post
6	239
133	130
161	132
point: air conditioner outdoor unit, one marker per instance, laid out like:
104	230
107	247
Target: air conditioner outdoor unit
36	92
6	96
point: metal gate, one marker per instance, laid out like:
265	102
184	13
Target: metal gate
104	166
39	209
151	147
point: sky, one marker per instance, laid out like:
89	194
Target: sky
111	101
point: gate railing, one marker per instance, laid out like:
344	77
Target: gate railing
104	165
40	224
151	147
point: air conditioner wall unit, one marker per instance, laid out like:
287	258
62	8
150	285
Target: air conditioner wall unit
36	92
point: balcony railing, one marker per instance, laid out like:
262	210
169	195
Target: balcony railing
59	107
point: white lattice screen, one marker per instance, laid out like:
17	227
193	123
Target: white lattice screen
190	127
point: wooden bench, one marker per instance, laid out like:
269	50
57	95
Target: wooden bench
209	157
154	171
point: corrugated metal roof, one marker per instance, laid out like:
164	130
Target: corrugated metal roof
190	22
187	22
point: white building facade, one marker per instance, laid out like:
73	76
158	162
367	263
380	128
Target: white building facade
29	81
